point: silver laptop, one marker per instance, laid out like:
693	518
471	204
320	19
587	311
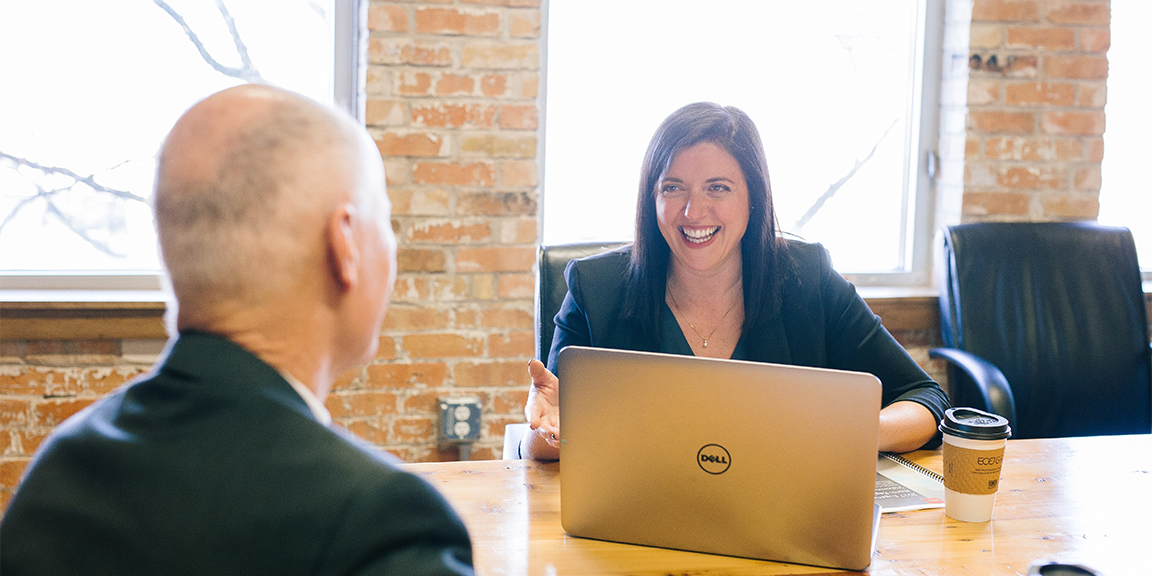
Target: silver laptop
738	458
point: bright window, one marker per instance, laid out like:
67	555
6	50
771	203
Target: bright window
92	88
835	87
1126	192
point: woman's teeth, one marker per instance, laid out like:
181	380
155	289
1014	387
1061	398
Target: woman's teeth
699	235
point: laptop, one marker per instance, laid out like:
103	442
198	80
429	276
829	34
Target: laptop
728	457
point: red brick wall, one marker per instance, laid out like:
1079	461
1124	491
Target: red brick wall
1036	94
452	91
453	88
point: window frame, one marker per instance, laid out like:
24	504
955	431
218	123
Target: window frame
919	233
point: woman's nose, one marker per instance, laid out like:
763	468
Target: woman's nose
696	207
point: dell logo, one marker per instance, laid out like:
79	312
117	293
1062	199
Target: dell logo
713	459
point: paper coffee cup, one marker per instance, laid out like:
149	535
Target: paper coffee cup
974	443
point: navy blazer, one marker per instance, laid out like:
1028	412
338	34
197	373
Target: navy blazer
823	322
213	464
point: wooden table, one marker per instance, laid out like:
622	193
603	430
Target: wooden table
1076	500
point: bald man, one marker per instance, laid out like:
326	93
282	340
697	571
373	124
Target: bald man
274	228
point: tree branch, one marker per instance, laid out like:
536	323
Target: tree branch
247	72
835	187
89	179
79	231
241	48
48	196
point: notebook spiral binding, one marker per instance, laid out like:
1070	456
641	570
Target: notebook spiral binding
904	461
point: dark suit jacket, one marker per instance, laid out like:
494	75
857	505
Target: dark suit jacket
213	464
822	323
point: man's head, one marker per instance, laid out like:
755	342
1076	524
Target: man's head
264	200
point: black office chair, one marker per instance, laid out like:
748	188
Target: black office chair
1046	325
551	288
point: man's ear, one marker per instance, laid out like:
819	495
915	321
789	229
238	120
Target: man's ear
343	253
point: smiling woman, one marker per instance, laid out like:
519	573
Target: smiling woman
709	276
76	172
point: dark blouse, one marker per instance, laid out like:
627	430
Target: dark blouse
822	322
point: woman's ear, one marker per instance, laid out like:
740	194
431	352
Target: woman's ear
343	252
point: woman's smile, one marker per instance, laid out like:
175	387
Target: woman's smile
699	236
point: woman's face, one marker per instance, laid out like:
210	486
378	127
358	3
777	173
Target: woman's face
702	208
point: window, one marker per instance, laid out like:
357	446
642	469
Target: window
1125	195
835	87
92	88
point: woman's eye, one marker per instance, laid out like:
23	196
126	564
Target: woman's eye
718	189
671	189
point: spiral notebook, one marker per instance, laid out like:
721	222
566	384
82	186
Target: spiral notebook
902	485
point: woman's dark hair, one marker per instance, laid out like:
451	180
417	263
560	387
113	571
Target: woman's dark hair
761	250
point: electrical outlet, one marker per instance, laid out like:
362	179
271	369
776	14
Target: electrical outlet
460	419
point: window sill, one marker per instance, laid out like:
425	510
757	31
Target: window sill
120	315
903	308
117	315
82	315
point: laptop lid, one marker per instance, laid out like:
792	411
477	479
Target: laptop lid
722	456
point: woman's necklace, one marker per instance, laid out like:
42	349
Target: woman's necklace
702	337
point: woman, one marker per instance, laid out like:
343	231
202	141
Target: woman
708	275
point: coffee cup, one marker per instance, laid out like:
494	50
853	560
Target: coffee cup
974	443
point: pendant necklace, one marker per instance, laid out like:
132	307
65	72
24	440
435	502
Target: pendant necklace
701	336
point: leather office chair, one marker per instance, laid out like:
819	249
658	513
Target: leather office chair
551	287
1046	325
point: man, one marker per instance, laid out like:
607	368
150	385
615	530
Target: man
275	232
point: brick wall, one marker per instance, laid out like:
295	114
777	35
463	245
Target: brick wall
453	91
1036	95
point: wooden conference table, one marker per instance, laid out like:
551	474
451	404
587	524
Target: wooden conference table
1077	500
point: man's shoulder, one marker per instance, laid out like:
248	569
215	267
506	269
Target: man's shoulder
211	396
92	421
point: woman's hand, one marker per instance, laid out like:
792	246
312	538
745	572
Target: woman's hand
543	414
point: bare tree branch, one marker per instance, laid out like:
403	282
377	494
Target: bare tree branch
247	72
48	196
89	179
80	231
241	48
41	193
835	187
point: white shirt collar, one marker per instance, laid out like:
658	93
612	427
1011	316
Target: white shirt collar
314	404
